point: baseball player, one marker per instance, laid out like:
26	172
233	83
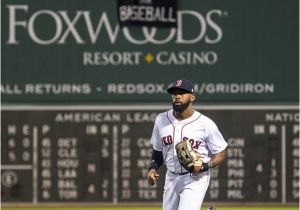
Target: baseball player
184	187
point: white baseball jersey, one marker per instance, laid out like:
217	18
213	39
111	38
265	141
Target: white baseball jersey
201	131
183	191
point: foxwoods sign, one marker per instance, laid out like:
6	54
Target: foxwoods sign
85	27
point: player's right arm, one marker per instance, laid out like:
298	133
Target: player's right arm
156	162
157	155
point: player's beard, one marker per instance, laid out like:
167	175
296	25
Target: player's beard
180	107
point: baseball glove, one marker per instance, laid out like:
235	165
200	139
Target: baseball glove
188	157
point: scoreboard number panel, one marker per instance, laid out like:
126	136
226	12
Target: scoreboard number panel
100	154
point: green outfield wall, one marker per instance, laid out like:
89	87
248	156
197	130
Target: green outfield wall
65	51
80	93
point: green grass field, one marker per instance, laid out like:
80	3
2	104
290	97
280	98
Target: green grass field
144	208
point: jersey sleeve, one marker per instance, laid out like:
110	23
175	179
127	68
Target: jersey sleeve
214	139
155	138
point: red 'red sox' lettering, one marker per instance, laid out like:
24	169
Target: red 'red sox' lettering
167	140
195	143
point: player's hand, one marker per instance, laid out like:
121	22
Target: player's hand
152	177
196	170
